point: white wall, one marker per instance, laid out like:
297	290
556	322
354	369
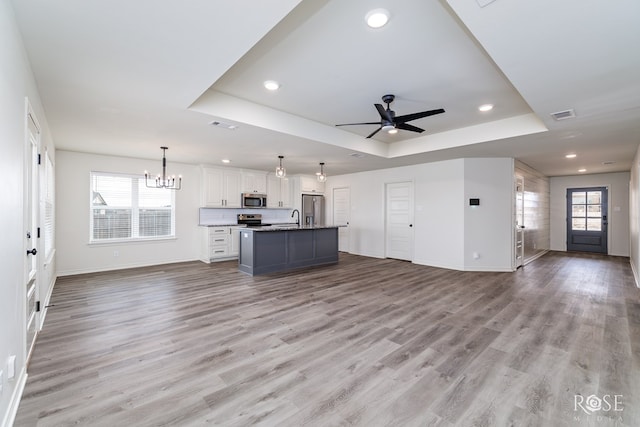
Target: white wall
618	231
76	255
446	231
16	84
634	217
439	217
488	228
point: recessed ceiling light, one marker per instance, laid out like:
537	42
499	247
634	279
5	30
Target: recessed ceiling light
571	156
582	170
377	18
271	85
485	107
226	161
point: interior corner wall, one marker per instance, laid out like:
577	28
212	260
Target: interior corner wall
618	231
488	227
634	217
17	84
76	255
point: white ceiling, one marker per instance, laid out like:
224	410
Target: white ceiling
124	77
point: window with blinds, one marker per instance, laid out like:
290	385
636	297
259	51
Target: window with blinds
123	208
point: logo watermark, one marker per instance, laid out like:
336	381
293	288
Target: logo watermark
602	407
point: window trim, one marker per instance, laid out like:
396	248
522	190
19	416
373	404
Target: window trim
135	213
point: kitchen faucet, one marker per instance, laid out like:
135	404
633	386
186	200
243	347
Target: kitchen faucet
297	220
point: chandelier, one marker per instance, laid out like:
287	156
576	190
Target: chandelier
163	181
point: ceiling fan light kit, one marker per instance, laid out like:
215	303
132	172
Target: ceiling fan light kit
391	123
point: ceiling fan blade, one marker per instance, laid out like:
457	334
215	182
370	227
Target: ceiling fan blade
414	116
405	126
384	114
366	123
374	132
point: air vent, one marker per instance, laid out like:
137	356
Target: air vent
223	125
608	162
563	115
358	155
483	3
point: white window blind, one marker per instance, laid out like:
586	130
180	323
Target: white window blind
49	207
123	208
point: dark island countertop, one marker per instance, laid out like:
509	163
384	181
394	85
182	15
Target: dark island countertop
291	227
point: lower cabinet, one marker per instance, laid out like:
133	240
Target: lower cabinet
220	244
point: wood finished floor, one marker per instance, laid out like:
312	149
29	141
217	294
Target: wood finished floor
366	342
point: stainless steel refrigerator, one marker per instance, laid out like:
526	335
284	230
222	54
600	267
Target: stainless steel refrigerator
312	210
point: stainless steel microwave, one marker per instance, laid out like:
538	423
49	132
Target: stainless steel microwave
254	200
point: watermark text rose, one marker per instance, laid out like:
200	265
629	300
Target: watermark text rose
592	404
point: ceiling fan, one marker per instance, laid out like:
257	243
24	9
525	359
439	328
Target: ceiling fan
389	121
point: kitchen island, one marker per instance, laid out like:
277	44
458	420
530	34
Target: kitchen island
271	249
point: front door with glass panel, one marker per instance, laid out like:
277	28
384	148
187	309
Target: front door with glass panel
587	219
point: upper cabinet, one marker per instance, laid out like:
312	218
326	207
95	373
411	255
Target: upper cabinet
310	184
254	181
220	188
278	192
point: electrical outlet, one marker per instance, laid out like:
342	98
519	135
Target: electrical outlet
116	253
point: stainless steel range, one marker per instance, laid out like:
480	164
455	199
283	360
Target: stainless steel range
251	220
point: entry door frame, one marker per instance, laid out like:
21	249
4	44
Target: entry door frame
31	225
586	238
519	221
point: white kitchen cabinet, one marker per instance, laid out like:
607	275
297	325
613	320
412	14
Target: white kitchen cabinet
254	181
220	243
220	188
310	184
278	192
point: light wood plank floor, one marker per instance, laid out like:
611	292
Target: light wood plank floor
367	342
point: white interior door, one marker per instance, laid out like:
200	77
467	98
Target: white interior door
519	222
399	221
341	211
31	231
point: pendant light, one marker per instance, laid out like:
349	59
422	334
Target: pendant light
321	175
280	172
163	181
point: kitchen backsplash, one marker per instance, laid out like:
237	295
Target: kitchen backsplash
213	216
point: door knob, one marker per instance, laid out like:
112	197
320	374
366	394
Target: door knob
32	252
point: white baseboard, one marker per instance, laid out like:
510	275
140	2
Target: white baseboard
635	273
122	267
438	265
14	403
535	257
